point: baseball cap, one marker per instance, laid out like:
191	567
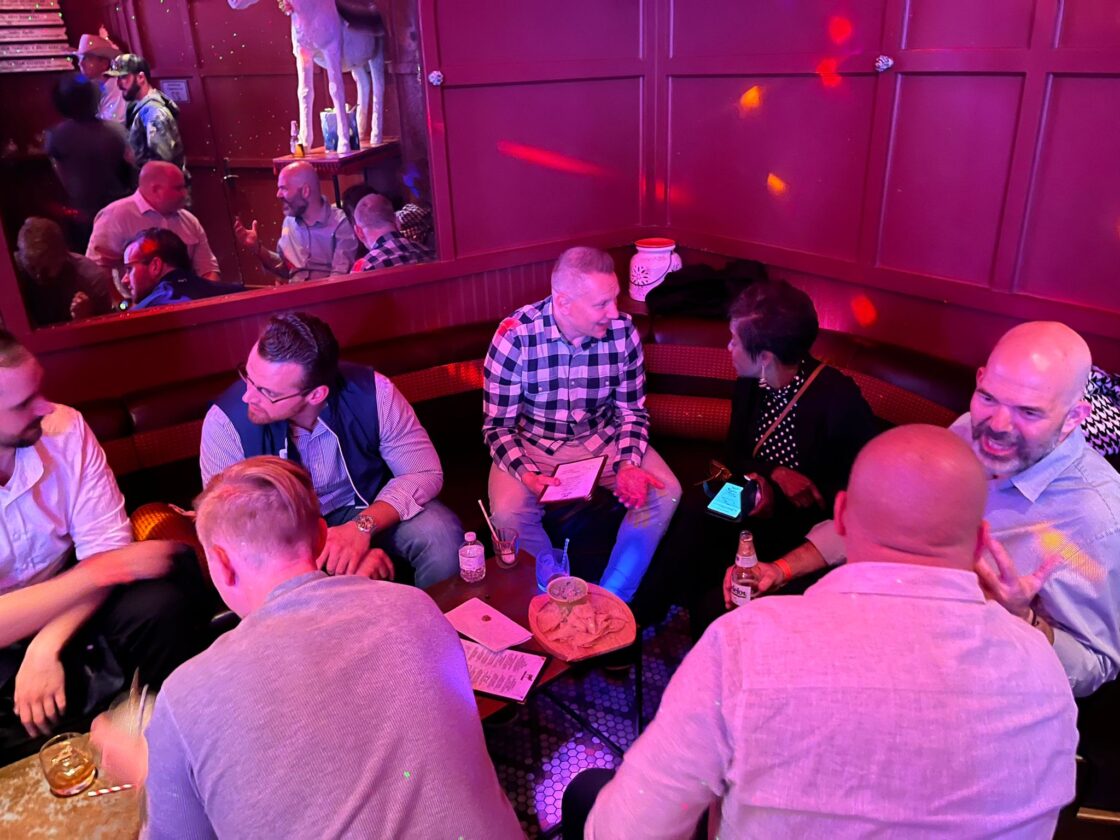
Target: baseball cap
127	64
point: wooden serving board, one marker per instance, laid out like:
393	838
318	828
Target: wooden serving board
572	653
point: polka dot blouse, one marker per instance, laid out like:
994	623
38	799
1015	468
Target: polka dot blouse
780	449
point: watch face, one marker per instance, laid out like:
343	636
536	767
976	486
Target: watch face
365	523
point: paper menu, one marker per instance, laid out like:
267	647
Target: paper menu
509	674
477	620
578	480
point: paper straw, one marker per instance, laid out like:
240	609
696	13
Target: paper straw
489	524
113	789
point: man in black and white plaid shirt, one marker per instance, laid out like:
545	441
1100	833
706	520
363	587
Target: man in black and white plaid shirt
375	223
564	382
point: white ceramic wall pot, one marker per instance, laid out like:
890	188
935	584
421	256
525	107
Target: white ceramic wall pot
655	258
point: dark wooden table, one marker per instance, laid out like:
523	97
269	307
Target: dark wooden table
509	591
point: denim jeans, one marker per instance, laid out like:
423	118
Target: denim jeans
513	506
429	541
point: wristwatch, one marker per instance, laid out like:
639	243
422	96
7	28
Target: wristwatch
365	523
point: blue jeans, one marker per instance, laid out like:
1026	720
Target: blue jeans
429	541
513	506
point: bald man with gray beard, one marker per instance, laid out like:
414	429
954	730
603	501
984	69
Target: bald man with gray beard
892	699
316	239
1053	553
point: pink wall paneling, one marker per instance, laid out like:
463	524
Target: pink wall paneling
538	162
497	32
818	28
948	171
165	33
778	160
257	39
1089	24
968	24
1071	240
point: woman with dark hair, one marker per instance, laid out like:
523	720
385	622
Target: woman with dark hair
90	155
796	427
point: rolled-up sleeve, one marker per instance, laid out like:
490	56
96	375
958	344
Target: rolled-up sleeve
408	452
630	400
1082	604
501	401
830	544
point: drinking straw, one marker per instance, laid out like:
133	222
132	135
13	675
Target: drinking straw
489	524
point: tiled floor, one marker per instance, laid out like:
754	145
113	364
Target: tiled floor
537	754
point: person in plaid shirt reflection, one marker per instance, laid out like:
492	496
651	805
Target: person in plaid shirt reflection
565	381
375	224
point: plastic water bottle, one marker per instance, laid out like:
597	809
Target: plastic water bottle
294	144
472	559
743	574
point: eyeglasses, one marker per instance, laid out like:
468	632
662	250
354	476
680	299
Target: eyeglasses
244	374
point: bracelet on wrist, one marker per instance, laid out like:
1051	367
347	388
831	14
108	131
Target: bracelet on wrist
786	570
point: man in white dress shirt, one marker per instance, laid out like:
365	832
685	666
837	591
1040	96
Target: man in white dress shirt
159	202
68	639
891	699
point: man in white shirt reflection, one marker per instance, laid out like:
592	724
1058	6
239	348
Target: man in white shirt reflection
64	655
891	698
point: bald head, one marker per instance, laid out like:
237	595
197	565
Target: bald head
1047	354
298	189
916	495
1029	396
163	186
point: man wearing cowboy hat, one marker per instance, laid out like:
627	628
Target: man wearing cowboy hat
95	54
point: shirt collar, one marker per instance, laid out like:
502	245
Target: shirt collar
900	580
551	329
294	583
324	214
1033	481
385	238
549	326
142	204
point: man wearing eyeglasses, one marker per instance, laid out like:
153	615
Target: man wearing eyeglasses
372	464
157	272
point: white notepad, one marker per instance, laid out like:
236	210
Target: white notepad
577	480
479	621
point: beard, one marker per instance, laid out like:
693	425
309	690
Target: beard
28	437
132	92
1013	453
293	206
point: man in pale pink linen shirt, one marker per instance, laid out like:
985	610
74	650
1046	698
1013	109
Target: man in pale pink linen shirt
890	699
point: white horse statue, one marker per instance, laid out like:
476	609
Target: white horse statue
321	36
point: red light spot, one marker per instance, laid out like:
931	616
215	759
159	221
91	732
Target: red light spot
864	310
549	159
827	70
839	29
776	185
750	100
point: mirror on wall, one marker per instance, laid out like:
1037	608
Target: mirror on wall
195	151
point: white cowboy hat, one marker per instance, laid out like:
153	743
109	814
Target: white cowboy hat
96	45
